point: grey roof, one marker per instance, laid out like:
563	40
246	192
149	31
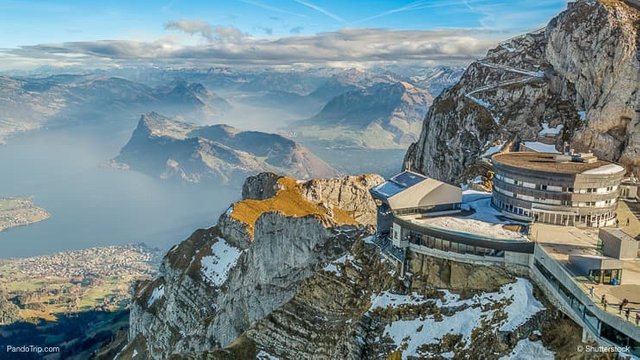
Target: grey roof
397	184
408	178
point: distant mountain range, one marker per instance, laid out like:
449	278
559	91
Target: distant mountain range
384	114
171	149
30	103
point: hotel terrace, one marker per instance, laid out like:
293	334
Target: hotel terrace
554	218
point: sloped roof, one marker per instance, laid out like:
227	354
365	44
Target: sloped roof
397	184
412	190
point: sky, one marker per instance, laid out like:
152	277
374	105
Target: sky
259	32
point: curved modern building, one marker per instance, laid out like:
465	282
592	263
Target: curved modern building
561	189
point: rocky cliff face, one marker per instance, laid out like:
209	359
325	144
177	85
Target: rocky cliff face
221	281
289	273
355	307
576	80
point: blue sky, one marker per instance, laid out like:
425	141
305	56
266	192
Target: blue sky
28	23
37	22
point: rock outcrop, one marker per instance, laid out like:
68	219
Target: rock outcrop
356	307
577	80
289	273
171	149
219	282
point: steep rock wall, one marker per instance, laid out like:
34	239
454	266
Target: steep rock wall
216	284
581	72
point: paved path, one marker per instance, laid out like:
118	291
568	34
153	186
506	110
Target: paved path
528	76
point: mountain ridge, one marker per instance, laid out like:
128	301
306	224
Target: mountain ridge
385	114
168	148
546	77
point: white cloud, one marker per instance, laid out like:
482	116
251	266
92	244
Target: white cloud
193	27
228	45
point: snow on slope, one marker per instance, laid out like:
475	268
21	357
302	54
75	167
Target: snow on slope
215	268
516	300
333	266
527	349
549	131
155	295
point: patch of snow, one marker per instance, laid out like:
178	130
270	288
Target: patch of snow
215	268
549	131
527	349
477	180
369	240
388	299
462	322
156	294
483	211
523	306
541	147
480	202
416	332
263	355
492	150
582	115
470	195
469	225
332	266
485	105
605	170
229	211
508	48
135	353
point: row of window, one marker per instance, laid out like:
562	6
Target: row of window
451	246
601	203
603	219
425	210
555	188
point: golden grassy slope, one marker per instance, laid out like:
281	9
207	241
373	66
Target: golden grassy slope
288	201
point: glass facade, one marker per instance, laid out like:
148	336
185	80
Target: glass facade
597	326
451	246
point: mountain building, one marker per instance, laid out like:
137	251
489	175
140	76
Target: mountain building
551	217
560	189
409	193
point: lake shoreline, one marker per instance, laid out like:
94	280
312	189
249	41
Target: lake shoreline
20	211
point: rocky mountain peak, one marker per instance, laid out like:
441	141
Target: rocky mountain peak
174	149
333	202
579	76
158	125
220	281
